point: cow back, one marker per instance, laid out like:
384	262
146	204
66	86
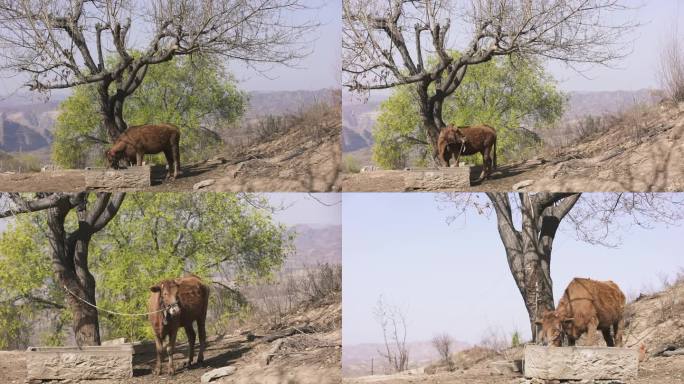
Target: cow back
586	298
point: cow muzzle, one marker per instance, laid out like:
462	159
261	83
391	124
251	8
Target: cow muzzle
170	311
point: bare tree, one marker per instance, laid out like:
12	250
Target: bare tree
392	320
389	43
528	231
64	43
671	67
69	250
442	344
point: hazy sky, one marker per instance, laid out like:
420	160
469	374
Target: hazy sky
305	208
455	278
319	70
658	19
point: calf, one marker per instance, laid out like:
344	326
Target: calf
586	306
140	140
174	303
468	140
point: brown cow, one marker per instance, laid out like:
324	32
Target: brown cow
182	301
468	140
141	140
586	306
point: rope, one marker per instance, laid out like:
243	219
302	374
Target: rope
111	312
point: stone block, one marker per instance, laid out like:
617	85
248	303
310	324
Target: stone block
85	363
132	178
581	363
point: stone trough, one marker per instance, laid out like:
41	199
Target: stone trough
414	179
85	363
581	363
118	179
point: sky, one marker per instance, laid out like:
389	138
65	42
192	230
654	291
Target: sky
297	208
319	70
455	278
658	19
307	208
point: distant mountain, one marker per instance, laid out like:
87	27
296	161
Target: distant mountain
603	103
18	137
316	244
284	102
356	359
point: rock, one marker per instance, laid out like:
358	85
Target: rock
203	184
72	363
129	178
522	184
506	367
119	341
581	363
216	373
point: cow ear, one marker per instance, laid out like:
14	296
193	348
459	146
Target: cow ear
155	288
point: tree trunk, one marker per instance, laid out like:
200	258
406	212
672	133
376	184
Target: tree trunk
428	120
70	257
528	250
111	110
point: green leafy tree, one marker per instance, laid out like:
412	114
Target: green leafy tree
195	94
154	236
503	93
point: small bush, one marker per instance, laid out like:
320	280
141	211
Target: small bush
671	69
351	164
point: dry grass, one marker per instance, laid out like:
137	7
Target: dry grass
312	121
270	303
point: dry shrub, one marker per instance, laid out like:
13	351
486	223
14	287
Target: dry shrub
316	120
671	69
293	290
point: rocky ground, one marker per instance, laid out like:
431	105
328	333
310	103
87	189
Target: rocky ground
305	158
642	151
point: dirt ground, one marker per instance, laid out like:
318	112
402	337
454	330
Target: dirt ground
659	370
311	356
642	153
304	159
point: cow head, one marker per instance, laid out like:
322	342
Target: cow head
455	136
552	329
113	158
168	298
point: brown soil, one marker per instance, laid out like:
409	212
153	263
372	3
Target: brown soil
642	151
310	356
304	159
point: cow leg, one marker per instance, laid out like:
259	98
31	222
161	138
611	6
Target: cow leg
176	158
170	164
139	158
458	155
169	349
571	341
618	328
487	162
607	337
592	328
202	340
159	343
191	342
